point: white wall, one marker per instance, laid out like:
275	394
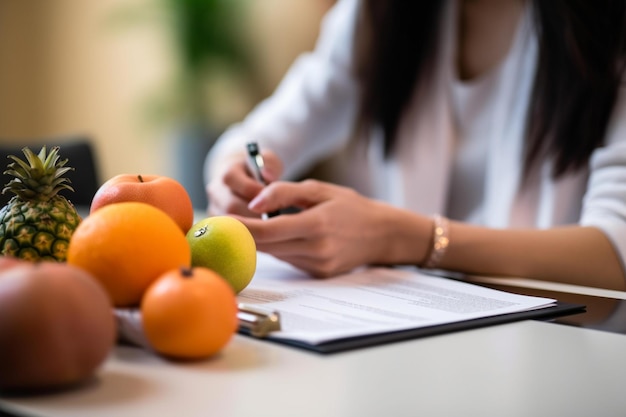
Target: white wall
65	69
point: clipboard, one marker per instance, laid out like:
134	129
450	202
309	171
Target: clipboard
259	323
351	343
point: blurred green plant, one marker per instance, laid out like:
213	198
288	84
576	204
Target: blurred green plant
204	34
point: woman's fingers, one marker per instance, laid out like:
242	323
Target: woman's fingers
283	228
280	195
232	190
233	185
330	235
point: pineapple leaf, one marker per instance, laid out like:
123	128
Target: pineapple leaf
22	167
35	165
42	153
62	171
40	177
52	158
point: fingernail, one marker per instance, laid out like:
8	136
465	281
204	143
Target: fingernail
256	202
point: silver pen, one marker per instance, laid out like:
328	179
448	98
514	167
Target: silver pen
256	162
256	165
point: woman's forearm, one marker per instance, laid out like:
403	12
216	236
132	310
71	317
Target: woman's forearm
572	254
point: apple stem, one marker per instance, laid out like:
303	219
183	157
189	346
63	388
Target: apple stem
186	272
140	178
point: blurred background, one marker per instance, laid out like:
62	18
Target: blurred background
150	83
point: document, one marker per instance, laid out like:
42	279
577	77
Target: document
371	301
366	307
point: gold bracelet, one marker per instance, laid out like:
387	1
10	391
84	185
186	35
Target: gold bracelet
441	240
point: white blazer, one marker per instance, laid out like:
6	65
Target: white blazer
311	116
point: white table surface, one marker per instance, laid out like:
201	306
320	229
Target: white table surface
527	368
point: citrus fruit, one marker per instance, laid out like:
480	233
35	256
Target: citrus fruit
160	191
189	313
225	245
126	246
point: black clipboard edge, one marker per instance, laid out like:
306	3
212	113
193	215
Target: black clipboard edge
351	343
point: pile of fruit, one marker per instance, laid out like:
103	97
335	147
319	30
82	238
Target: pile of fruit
61	277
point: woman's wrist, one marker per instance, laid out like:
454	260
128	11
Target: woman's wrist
407	238
439	242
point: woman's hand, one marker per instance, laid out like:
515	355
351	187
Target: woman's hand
336	230
339	230
232	186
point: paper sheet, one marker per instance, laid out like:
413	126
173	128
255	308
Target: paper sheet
370	301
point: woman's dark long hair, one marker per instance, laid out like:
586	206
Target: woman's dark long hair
582	53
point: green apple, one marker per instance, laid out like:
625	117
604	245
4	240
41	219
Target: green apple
225	245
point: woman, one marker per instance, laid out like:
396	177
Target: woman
506	117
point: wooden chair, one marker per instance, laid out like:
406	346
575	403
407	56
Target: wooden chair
80	155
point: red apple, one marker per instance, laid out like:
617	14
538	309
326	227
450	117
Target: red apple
7	262
159	191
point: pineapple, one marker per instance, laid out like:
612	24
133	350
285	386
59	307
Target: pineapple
37	223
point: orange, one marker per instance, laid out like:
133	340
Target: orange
126	246
160	191
189	313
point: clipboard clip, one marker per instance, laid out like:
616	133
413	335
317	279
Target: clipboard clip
257	320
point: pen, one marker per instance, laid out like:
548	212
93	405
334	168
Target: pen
256	164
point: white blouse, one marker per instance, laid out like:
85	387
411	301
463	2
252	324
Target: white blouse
446	160
468	168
